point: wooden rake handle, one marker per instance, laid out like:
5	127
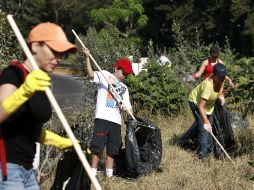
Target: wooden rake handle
55	105
99	68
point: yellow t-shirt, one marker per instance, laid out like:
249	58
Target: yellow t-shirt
204	90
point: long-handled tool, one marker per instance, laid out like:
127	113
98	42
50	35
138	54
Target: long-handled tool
222	148
99	68
55	105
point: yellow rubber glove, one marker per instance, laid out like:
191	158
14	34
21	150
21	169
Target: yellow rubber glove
50	138
88	151
37	80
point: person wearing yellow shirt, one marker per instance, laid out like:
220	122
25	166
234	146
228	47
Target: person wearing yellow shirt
202	100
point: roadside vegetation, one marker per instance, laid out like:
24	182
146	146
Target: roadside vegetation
161	95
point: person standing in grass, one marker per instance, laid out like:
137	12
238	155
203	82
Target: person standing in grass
202	100
163	60
208	64
24	107
107	131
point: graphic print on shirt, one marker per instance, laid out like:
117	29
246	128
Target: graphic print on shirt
112	99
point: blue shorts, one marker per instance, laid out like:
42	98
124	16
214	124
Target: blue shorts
106	133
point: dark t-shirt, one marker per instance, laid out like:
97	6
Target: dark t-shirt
22	129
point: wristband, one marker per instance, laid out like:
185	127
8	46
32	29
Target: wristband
206	121
222	92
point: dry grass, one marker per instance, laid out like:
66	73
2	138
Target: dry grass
183	170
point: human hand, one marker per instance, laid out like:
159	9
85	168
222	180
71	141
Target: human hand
63	143
37	80
222	99
50	138
231	84
86	52
189	78
194	75
207	126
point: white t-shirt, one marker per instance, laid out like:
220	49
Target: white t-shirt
106	106
164	60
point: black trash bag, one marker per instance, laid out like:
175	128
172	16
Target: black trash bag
222	130
143	147
121	168
223	127
70	168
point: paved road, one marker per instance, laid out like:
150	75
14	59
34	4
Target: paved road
66	89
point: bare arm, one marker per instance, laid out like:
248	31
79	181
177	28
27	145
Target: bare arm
231	84
90	71
5	91
201	69
201	108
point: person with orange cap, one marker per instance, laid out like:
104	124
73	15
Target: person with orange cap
24	107
107	129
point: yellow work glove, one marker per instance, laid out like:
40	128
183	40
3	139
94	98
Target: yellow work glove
50	138
37	80
88	151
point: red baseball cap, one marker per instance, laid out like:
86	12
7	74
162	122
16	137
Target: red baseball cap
124	64
53	36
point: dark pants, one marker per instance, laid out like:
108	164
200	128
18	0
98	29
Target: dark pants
204	139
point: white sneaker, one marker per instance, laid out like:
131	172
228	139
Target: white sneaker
109	172
94	171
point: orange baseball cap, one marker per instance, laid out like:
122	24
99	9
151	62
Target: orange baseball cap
53	36
126	65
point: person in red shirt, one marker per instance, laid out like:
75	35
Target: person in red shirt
208	64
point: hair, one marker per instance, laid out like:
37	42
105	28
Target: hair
214	49
118	68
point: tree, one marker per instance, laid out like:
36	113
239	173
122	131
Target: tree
124	15
242	23
8	43
70	14
214	19
106	46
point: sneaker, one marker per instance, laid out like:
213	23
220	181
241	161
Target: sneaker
109	172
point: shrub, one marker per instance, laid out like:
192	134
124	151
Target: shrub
8	43
157	90
187	55
241	97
